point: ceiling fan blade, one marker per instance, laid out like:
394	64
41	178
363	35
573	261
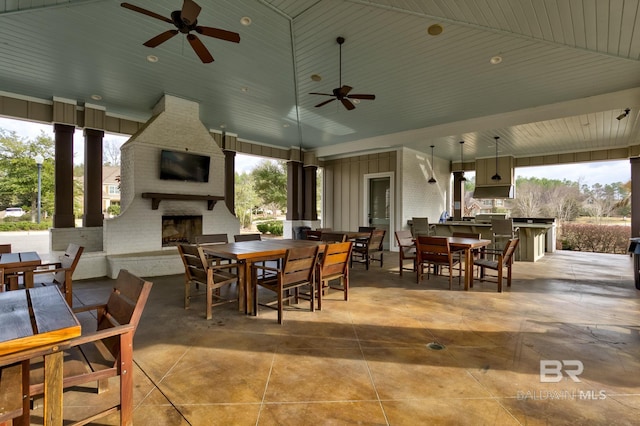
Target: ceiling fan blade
325	102
323	94
218	33
344	90
160	38
369	97
190	12
145	12
347	104
200	49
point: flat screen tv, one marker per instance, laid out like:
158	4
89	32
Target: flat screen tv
184	166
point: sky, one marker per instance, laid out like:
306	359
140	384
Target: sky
604	172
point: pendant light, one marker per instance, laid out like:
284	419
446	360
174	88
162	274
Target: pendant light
432	179
496	176
462	178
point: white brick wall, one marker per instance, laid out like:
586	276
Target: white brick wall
419	197
176	127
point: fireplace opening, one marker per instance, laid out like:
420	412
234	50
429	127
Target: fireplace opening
180	229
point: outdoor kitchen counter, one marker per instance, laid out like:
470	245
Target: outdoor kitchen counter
533	236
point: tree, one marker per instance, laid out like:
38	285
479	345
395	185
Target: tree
19	175
529	198
245	198
601	200
270	184
111	152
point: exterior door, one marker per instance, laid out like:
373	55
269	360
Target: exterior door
379	204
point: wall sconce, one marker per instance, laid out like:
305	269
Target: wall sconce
432	179
624	114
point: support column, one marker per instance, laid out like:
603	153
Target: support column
230	180
93	178
295	190
310	193
635	197
458	196
63	205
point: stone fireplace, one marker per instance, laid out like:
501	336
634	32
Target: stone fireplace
153	211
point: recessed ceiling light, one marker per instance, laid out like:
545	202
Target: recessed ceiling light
316	77
244	89
245	20
96	97
285	125
355	101
222	126
152	58
435	29
496	60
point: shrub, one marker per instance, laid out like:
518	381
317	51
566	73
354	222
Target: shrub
274	227
595	238
25	226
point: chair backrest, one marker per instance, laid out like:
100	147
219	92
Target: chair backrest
509	250
335	259
502	227
404	238
313	235
420	226
195	262
69	261
376	240
125	305
211	239
333	237
433	249
366	228
475	236
5	248
299	265
247	237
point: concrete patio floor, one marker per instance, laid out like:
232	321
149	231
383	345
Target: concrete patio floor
367	361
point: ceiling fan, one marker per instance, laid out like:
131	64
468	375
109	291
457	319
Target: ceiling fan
186	21
342	93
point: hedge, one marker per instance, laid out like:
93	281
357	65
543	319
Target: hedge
595	238
274	227
25	226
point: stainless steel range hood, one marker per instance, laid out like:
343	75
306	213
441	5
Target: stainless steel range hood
493	191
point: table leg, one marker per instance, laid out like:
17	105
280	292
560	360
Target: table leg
126	379
246	283
242	289
53	389
28	279
468	268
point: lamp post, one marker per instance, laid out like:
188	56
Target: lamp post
39	160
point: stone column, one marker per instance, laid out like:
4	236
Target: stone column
63	205
310	193
93	178
230	180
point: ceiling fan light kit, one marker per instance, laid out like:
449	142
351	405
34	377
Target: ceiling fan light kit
186	21
341	92
496	176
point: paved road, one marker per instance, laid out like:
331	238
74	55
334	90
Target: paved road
27	241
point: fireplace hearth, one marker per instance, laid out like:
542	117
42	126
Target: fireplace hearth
180	229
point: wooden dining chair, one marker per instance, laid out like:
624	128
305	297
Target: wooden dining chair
298	270
334	266
247	237
460	251
199	271
212	239
105	348
60	273
367	250
420	227
313	235
503	259
436	252
406	250
5	248
333	237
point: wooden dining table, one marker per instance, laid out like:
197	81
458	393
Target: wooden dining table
16	263
36	322
246	253
469	245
